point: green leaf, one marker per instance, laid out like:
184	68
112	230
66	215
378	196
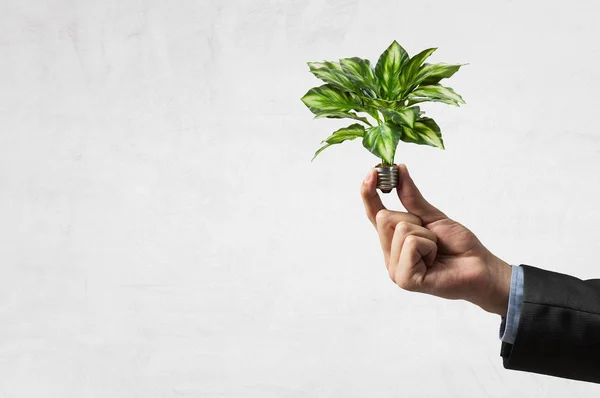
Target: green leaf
425	132
435	93
332	73
409	72
341	115
388	69
405	116
328	98
344	134
428	129
361	73
382	141
430	74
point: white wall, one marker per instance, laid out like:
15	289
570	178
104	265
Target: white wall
163	232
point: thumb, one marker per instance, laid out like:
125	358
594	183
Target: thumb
413	201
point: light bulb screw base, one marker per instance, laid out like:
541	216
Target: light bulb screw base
387	177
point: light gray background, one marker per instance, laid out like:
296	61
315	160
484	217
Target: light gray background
163	232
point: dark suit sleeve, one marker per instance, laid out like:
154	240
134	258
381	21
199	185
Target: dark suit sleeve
559	328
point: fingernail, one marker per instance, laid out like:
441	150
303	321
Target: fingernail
368	178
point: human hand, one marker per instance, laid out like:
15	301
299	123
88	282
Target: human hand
427	252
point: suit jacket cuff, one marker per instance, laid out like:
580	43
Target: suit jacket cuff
559	327
510	323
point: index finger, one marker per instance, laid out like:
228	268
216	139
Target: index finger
370	197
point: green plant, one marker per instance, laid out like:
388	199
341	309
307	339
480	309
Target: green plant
387	93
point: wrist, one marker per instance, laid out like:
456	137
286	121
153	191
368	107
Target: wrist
495	297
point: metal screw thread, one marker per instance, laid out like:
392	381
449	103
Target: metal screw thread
387	178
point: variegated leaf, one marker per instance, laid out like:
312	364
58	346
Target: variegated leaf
388	69
382	141
342	115
430	74
381	103
435	93
429	131
344	134
404	116
328	98
361	73
410	70
332	73
425	132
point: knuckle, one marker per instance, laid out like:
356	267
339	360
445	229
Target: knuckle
402	228
411	240
405	284
382	217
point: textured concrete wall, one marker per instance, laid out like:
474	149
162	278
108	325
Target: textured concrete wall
163	232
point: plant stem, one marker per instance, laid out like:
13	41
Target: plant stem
377	117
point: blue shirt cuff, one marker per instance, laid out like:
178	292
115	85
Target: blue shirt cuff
510	323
